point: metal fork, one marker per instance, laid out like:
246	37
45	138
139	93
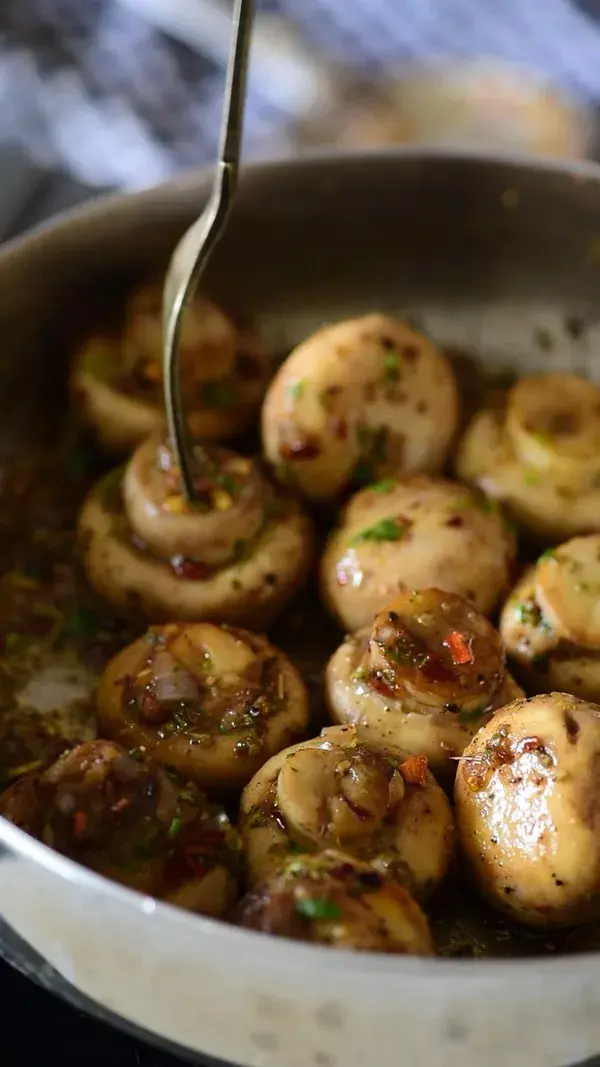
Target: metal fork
193	252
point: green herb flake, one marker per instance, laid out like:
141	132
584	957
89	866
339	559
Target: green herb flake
363	472
384	486
384	530
226	482
549	554
82	622
219	394
296	848
392	362
318	908
175	827
296	389
469	715
531	478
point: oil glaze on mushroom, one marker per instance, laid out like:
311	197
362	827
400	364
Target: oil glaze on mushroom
334	792
210	702
236	555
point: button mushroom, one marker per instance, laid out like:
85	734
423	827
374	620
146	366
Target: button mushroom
211	702
333	899
334	792
130	821
356	401
551	621
236	555
527	804
413	533
540	455
117	381
427	674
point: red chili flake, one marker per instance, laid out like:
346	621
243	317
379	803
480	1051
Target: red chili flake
192	569
459	648
381	686
414	770
339	427
79	823
435	671
151	709
289	450
248	367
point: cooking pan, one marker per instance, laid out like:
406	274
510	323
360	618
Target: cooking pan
491	256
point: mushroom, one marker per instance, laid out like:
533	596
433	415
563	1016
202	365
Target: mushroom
550	623
236	555
117	381
130	821
211	702
422	680
333	899
357	401
540	455
414	533
334	792
527	799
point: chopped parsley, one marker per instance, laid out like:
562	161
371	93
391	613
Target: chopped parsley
384	530
384	486
175	827
296	389
468	715
318	908
392	361
550	553
227	482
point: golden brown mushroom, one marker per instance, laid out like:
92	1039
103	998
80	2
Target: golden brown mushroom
211	702
117	381
334	792
356	401
550	623
236	555
422	680
540	455
527	797
410	534
334	899
130	821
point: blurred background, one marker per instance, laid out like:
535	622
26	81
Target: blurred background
125	93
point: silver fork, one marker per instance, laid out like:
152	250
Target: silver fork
195	248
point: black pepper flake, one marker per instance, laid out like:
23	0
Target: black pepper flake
271	579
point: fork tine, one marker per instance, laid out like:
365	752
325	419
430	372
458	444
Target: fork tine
191	256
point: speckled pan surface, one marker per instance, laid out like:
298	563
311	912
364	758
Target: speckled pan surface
493	256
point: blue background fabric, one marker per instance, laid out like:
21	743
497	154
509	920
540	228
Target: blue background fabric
94	87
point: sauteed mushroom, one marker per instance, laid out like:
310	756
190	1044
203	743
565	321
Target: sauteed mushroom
527	802
333	899
540	455
551	621
118	381
130	821
237	555
413	533
356	401
428	673
211	702
334	792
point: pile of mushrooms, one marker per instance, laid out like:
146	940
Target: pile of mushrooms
117	381
235	555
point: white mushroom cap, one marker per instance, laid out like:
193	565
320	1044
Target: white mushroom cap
541	455
358	400
422	680
527	802
332	791
414	533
